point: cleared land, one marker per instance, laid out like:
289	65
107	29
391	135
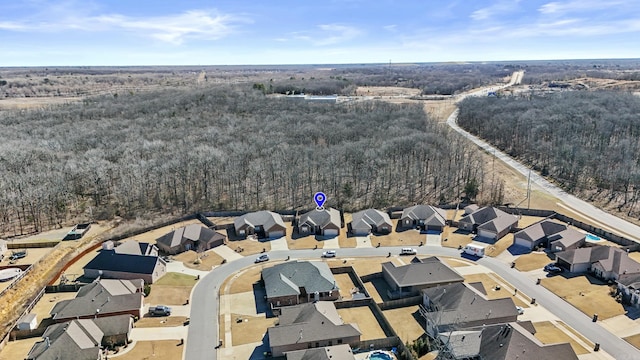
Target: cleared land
548	333
405	322
366	321
587	294
532	261
157	350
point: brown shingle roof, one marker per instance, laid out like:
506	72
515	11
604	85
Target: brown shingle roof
423	272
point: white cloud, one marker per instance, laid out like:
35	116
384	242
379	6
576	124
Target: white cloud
563	7
391	28
499	8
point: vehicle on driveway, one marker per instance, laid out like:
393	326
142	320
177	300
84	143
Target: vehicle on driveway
160	310
329	254
553	268
520	310
262	258
18	255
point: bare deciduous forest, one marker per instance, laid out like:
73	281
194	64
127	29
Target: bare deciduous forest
220	147
588	142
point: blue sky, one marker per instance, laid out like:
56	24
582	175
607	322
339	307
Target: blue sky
231	32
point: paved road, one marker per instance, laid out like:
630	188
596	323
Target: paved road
203	330
615	224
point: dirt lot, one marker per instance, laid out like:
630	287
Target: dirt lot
548	333
251	329
154	322
633	340
586	293
18	349
207	259
33	255
363	317
157	350
405	321
532	261
171	289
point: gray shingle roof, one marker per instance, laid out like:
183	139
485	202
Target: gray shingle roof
70	340
107	296
269	220
310	322
192	232
326	218
490	218
363	220
592	254
109	260
460	303
431	215
567	237
287	278
540	230
429	271
336	352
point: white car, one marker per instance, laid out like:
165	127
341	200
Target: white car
408	251
329	253
262	258
520	310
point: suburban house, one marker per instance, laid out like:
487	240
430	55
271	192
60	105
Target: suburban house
489	222
325	222
118	264
102	298
335	352
514	340
370	221
460	306
191	237
554	235
264	224
629	289
295	282
424	217
310	325
82	339
408	280
132	247
605	262
470	208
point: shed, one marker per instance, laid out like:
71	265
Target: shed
28	322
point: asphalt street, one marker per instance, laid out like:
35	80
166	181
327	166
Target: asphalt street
203	329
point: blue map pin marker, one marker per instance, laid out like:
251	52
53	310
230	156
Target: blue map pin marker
320	198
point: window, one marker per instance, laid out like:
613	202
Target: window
339	341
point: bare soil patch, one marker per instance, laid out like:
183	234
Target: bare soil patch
35	102
366	321
548	333
155	322
405	322
157	350
587	294
250	329
208	260
532	261
168	295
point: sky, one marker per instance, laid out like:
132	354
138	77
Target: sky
253	32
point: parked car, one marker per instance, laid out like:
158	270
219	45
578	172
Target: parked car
262	258
408	251
329	254
520	310
554	269
18	255
160	310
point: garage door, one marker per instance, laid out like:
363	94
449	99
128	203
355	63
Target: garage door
523	242
486	234
276	234
331	232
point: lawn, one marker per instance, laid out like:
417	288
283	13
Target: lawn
633	340
48	301
366	321
168	295
249	246
345	284
250	329
525	221
499	246
17	349
207	260
156	350
405	322
155	322
365	266
532	261
243	281
548	333
176	279
506	290
454	262
587	294
453	238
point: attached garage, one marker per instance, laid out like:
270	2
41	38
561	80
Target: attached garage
523	242
487	234
276	234
331	232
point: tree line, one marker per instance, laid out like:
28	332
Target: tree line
220	147
588	142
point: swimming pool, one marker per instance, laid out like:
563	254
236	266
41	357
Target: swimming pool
380	355
592	238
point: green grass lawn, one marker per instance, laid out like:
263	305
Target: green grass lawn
176	279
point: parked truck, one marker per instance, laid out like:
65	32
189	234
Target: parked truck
475	250
160	310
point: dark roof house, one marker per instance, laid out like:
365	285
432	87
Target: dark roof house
371	220
408	280
102	298
295	282
426	217
490	223
265	224
109	264
191	237
310	325
325	222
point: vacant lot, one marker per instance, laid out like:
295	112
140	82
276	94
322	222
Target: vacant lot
33	255
548	333
405	322
156	350
176	279
171	289
154	322
363	317
586	293
248	329
533	261
208	260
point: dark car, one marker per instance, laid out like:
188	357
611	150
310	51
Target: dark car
554	269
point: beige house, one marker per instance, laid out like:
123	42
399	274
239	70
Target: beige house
408	280
325	222
370	221
490	223
264	224
296	282
424	217
191	237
